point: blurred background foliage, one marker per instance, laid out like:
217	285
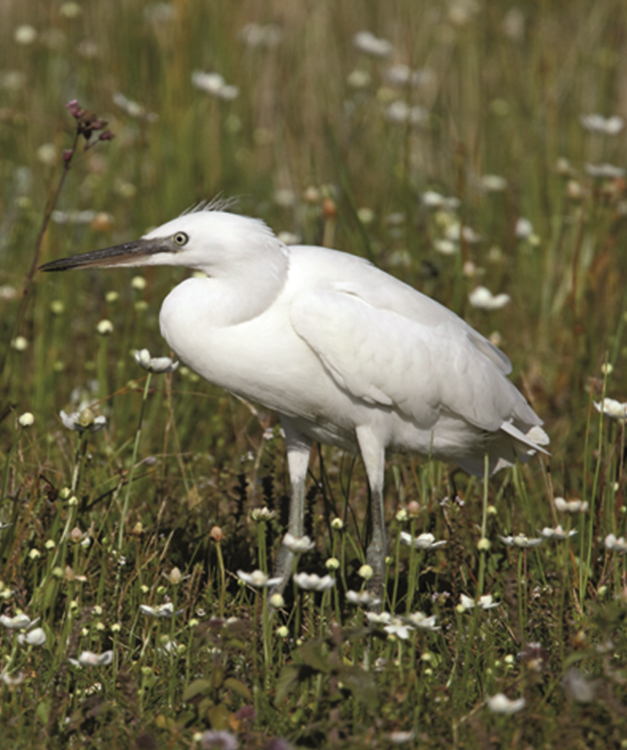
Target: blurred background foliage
456	156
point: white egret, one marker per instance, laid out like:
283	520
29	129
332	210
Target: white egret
345	353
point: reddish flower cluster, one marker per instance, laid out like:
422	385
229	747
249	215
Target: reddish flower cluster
87	124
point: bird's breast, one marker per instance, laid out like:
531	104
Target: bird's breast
262	359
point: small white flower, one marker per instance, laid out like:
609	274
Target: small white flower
104	327
313	582
400	112
524	228
258	578
485	602
20	343
399	628
154	364
367	42
456	232
83	420
162	610
483	299
366	572
493	183
571	506
423	541
298	544
399	738
358	79
26	420
25	34
215	85
616	545
34	637
362	598
10	680
392	625
501	704
604	171
420	620
256	35
90	659
557	533
604	125
520	540
431	199
379	618
133	109
19	622
612	408
262	514
446	247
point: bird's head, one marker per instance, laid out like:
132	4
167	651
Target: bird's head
216	242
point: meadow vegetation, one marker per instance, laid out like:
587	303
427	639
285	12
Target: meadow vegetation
453	147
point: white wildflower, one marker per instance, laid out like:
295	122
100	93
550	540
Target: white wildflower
423	541
18	622
83	420
133	109
501	704
520	540
400	112
154	364
362	598
604	171
90	659
298	544
258	578
368	43
162	610
215	85
25	34
571	506
256	35
604	125
614	544
612	408
524	228
557	533
420	620
313	582
483	299
493	183
485	602
34	637
26	420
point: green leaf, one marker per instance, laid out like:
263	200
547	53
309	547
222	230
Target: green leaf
287	679
219	716
196	688
42	712
315	654
360	683
237	686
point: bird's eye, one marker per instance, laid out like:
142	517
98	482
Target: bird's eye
180	239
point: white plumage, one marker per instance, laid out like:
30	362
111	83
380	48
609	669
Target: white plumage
347	354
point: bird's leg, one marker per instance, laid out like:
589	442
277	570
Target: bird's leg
373	455
298	451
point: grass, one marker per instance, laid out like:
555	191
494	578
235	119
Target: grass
156	509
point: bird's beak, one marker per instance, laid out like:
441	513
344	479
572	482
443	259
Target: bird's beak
129	254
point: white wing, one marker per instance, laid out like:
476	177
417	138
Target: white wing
421	369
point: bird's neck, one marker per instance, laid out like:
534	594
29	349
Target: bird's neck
246	289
